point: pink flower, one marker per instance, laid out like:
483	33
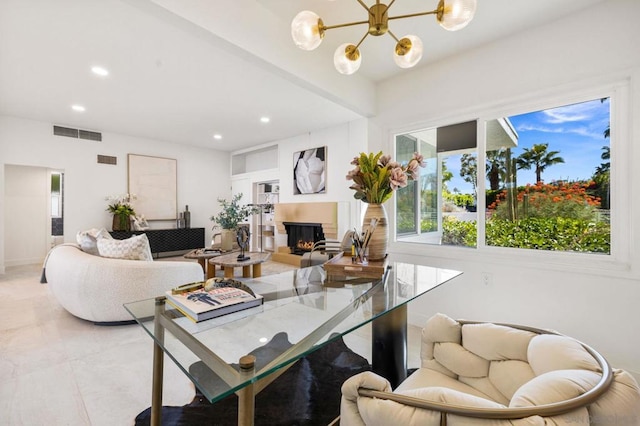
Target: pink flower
353	173
398	178
420	159
355	161
384	160
412	168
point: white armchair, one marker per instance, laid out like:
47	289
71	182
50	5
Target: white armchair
492	374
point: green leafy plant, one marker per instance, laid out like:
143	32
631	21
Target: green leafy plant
120	205
458	232
460	200
556	234
376	176
233	213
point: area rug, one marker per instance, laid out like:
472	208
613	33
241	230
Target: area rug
306	394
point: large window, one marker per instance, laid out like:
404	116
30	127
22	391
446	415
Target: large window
545	182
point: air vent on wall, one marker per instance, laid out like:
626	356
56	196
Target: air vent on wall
65	131
76	133
107	159
91	136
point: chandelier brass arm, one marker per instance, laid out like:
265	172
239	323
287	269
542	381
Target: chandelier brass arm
412	15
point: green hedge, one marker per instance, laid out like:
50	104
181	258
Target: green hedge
558	234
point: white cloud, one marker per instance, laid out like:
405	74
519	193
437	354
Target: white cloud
571	113
528	127
582	131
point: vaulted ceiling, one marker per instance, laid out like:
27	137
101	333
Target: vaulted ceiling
184	70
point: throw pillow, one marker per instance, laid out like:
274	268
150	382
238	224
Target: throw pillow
134	248
87	240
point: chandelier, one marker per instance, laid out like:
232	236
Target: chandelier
307	31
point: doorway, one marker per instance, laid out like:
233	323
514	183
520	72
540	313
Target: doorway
31	196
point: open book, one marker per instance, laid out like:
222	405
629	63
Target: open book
199	305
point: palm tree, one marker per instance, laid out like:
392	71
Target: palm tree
539	157
496	168
606	157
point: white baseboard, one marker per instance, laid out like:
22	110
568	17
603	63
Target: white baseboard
24	262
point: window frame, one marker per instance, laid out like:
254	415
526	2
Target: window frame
618	260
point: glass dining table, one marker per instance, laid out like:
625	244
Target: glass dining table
312	311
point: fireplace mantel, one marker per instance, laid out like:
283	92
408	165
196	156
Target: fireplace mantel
325	214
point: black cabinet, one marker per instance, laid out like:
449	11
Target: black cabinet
167	240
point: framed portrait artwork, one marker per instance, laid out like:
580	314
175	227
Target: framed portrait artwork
153	180
310	171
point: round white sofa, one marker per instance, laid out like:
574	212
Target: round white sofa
95	288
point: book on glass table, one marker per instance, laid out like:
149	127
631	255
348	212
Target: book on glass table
200	304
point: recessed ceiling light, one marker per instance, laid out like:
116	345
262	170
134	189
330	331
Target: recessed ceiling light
265	119
78	108
102	72
217	136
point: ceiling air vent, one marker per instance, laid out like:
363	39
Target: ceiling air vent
76	133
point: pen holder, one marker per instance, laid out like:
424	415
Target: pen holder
361	255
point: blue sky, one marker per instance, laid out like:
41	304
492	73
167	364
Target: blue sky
576	131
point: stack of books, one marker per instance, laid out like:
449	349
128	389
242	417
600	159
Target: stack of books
200	304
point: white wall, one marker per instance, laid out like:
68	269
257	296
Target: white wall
202	173
343	143
599	306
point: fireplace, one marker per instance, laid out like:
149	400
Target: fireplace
325	214
301	236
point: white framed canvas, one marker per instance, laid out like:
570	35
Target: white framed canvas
310	171
154	182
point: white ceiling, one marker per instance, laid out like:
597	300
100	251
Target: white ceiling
181	70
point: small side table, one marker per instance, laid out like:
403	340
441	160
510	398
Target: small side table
202	256
230	261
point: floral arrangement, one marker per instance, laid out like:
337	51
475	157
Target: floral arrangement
121	205
376	176
233	213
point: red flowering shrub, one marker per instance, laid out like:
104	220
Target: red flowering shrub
566	200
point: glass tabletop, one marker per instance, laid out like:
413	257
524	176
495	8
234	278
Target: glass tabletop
302	311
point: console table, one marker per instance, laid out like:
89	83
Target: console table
299	303
167	240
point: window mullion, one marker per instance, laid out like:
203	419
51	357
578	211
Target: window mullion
481	199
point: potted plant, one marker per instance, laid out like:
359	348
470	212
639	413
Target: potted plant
375	178
229	217
122	211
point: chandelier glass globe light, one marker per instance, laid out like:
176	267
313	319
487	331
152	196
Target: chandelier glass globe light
347	59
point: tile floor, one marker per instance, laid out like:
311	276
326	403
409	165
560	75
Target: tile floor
56	369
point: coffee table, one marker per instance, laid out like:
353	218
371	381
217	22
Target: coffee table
230	261
300	303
